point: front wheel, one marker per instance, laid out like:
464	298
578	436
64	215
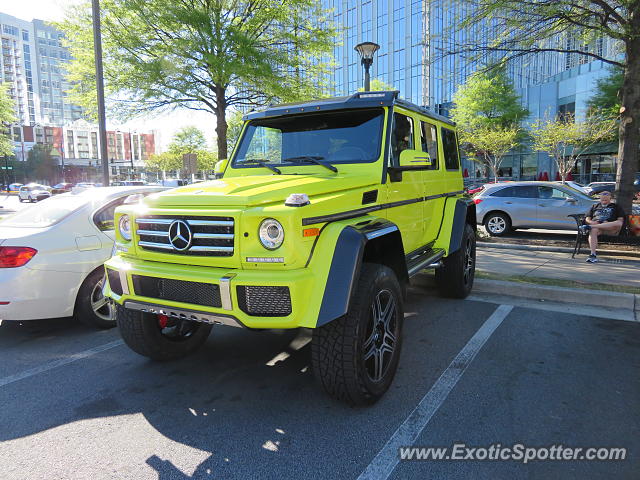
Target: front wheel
92	307
160	337
356	356
455	277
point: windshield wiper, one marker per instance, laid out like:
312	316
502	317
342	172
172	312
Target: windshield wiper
312	159
264	164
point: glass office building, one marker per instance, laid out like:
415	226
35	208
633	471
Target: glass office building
415	34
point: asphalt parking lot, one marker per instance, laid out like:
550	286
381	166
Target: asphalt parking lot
78	404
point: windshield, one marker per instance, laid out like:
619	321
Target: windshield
334	137
46	213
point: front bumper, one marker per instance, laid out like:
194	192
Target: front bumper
218	295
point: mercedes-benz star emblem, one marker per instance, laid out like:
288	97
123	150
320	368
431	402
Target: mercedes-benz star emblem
180	235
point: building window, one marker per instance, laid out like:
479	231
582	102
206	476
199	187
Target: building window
10	30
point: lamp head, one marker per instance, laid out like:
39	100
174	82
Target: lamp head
367	50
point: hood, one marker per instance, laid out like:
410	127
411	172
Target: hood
255	190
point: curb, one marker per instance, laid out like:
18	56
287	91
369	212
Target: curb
579	296
509	246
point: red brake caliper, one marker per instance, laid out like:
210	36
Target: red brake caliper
163	320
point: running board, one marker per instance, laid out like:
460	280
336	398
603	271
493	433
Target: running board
430	259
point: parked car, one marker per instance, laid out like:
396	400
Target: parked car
33	192
14	187
86	185
501	207
174	182
51	256
576	186
596	187
62	188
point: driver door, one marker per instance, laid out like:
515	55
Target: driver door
554	206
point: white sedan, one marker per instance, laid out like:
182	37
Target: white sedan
51	255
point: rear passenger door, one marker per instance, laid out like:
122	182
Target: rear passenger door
434	186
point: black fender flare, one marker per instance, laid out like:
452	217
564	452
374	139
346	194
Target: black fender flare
463	213
356	244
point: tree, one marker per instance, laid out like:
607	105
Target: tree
379	86
7	117
490	145
488	99
565	140
606	98
572	27
187	140
488	112
206	55
42	163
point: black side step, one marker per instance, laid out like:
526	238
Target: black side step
425	260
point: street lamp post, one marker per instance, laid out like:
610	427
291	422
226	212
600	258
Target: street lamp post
367	50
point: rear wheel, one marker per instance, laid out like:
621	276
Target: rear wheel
160	337
356	356
497	224
455	277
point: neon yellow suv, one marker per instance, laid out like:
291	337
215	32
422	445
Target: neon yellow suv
324	212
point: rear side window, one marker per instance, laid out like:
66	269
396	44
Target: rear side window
505	192
103	218
429	142
526	192
450	146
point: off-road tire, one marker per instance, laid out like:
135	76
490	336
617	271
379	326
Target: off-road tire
455	277
497	218
338	348
142	334
84	311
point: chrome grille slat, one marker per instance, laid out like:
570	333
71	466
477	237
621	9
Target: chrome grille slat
164	246
211	223
158	221
211	249
210	235
214	236
158	233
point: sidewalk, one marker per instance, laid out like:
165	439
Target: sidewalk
559	266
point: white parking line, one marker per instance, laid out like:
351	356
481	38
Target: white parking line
386	460
58	363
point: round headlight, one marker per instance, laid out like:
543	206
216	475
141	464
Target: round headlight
124	225
271	234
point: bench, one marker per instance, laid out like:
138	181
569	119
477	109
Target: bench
625	237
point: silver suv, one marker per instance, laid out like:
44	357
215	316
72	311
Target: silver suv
503	206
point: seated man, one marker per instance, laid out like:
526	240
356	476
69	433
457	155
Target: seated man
603	217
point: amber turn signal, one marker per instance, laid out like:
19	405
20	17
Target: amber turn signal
310	232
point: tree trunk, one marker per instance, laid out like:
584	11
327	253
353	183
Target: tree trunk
221	122
629	146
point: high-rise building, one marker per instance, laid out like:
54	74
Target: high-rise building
32	64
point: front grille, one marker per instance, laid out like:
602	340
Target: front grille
261	301
211	236
114	281
196	293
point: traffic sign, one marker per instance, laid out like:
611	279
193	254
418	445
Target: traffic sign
6	168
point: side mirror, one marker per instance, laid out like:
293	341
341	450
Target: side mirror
571	200
413	158
220	167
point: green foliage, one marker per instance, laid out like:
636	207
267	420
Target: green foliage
235	129
566	140
488	112
487	99
379	86
188	139
606	99
7	117
42	163
200	54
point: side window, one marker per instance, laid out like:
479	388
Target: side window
505	192
103	218
429	140
553	193
265	144
450	147
526	192
402	136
